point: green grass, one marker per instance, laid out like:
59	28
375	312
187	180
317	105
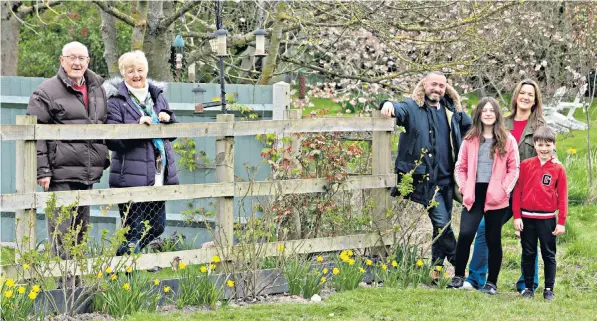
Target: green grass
411	304
323	103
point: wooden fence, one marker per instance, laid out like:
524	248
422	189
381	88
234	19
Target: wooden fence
24	202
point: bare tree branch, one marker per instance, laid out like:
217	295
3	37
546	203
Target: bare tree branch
24	10
167	21
116	13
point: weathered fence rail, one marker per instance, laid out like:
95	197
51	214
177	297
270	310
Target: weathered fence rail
242	128
26	200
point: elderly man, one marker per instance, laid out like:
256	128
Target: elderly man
73	96
435	124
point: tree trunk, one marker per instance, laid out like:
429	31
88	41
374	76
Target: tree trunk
269	67
139	13
109	36
10	41
157	43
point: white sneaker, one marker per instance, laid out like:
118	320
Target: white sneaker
468	286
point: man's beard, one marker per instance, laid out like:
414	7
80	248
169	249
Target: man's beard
430	100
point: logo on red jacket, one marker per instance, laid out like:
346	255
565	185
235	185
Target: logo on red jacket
546	179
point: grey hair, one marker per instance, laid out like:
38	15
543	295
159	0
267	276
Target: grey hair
72	45
436	73
130	59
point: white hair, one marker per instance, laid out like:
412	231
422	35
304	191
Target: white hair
132	58
72	45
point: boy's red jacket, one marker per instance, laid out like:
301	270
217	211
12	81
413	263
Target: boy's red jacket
540	191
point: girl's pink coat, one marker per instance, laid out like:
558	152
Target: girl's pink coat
503	175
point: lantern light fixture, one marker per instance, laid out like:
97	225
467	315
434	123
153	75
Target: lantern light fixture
260	42
221	41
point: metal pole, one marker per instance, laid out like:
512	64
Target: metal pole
222	84
220	25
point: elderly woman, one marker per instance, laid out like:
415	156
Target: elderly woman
139	162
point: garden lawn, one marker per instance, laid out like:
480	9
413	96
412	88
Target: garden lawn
411	304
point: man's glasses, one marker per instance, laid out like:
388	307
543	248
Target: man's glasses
73	58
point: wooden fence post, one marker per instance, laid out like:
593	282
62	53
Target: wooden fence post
26	182
381	164
224	174
280	105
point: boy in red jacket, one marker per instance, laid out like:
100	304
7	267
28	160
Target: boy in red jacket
542	189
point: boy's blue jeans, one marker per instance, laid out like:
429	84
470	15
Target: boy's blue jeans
477	275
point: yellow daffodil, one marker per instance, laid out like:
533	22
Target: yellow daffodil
166	289
36	288
350	261
325	271
156	282
230	283
182	265
26	266
21	290
361	270
281	248
336	271
419	263
384	267
323	279
344	257
114	277
203	269
369	262
129	269
349	252
10	283
445	274
394	264
319	259
571	151
438	268
126	287
99	275
8	294
212	267
216	259
109	269
32	295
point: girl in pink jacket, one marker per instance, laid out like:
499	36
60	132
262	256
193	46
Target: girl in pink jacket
486	172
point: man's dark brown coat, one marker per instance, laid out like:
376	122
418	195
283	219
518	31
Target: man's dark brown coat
56	102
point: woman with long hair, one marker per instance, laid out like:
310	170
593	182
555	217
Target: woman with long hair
526	116
486	172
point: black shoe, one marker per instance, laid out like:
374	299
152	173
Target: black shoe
548	294
489	288
526	293
456	283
